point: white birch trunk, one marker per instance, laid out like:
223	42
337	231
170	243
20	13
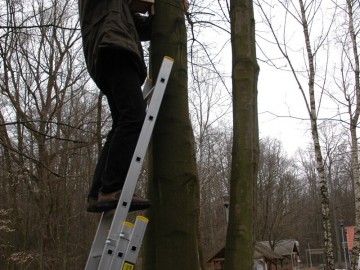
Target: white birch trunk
324	190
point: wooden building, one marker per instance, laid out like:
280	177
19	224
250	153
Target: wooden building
264	259
289	250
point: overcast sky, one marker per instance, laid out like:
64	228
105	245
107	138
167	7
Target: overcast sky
281	107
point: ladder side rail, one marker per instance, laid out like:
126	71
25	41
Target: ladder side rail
147	89
126	254
101	235
98	243
135	166
125	235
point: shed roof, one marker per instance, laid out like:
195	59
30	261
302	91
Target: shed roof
260	251
284	247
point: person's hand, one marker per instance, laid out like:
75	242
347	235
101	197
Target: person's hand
152	10
186	5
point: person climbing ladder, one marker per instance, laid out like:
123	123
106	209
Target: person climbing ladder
112	36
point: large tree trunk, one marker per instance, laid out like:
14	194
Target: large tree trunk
171	241
240	234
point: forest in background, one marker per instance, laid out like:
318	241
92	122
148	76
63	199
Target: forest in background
53	122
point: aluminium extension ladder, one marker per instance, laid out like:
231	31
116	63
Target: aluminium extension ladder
117	242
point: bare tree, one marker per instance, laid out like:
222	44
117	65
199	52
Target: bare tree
349	84
209	109
305	14
279	193
47	134
214	174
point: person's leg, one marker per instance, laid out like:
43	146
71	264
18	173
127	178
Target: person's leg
128	112
101	164
125	89
99	169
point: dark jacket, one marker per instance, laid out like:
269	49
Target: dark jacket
109	24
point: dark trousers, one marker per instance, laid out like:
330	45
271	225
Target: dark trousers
121	84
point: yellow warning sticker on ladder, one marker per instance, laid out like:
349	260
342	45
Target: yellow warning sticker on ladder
128	266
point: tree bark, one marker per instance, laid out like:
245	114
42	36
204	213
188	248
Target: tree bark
324	189
240	234
171	240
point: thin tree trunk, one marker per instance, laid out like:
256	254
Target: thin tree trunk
324	189
239	248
